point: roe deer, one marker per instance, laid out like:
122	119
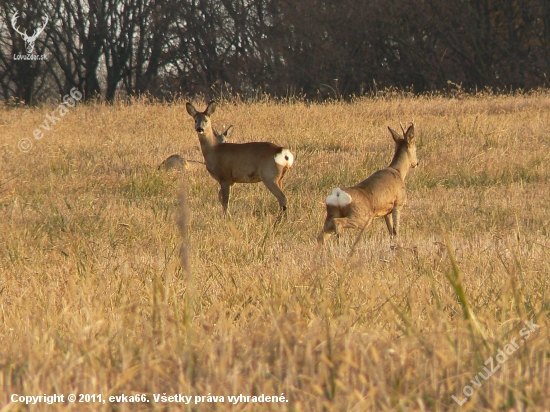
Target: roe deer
177	162
231	163
381	194
222	137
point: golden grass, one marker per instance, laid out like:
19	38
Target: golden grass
93	298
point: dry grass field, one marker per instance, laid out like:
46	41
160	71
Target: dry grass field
94	299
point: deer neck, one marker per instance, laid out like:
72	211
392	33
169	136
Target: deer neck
401	161
207	141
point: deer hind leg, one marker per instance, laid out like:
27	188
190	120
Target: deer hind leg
347	223
336	224
280	180
339	223
273	187
223	195
328	228
322	236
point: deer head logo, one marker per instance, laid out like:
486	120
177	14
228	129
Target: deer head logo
29	40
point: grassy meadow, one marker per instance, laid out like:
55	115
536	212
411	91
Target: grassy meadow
94	299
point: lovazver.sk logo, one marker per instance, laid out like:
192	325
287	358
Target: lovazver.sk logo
29	40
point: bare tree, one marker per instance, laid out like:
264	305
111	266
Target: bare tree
315	48
22	79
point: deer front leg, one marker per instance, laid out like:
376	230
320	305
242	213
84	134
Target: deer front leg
389	223
395	215
223	195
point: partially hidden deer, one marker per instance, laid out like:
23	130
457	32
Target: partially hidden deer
231	163
175	161
381	194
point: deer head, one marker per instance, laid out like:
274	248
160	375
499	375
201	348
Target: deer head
29	40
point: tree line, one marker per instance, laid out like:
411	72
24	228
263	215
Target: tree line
310	48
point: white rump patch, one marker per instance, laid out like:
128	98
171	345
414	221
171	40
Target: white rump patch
338	198
285	158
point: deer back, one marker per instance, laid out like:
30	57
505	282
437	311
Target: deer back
243	162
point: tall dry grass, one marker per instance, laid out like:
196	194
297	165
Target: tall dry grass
93	297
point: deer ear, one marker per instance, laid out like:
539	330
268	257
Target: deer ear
409	134
228	131
394	134
191	109
211	108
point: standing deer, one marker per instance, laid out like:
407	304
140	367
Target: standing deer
175	161
381	194
231	163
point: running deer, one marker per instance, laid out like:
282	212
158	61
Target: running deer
175	161
231	163
381	194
